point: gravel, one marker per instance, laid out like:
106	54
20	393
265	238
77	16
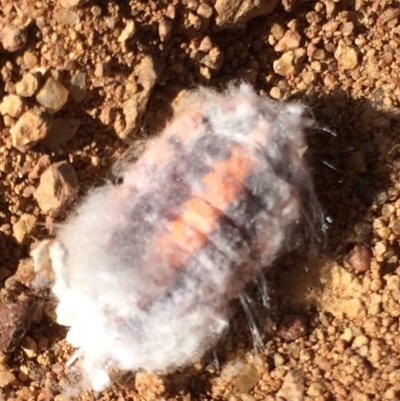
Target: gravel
81	81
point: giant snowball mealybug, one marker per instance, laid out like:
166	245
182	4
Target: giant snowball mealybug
145	270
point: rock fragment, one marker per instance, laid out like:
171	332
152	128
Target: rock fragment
13	38
389	14
233	14
30	59
41	259
42	164
204	10
24	227
25	273
149	386
52	95
57	189
277	31
275	92
316	390
15	318
164	29
360	258
30	128
346	56
290	62
29	346
28	85
127	32
77	87
342	294
6	378
288	4
242	374
12	105
134	107
289	41
293	327
213	59
293	386
67	17
206	44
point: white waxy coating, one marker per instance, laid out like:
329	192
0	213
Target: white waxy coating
138	287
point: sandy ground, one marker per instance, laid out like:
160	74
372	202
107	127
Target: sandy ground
80	83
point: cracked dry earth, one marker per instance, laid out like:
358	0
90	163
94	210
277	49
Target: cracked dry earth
81	81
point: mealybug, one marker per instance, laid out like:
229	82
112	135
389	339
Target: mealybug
145	270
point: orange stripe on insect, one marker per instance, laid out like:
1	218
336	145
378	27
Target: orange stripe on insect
189	232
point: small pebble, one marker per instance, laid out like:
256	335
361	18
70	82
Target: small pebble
29	347
204	10
127	32
293	387
24	227
13	38
12	105
77	88
316	389
360	258
289	62
292	327
233	14
52	95
15	317
164	30
67	17
6	378
57	189
346	56
30	128
28	85
289	41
